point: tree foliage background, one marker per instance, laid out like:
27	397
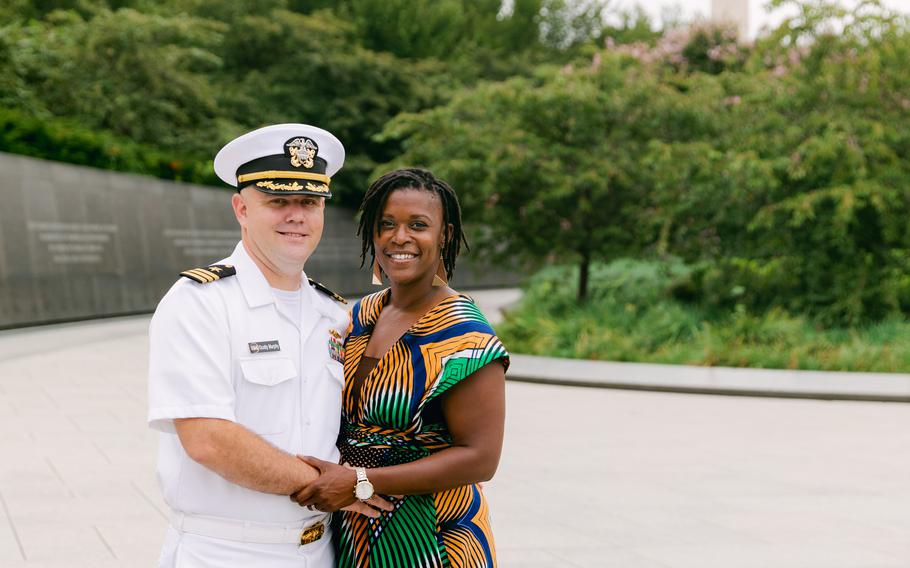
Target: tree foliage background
127	83
776	171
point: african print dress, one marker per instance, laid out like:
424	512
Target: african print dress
397	418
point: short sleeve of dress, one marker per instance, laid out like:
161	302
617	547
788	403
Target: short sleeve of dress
350	323
470	344
189	358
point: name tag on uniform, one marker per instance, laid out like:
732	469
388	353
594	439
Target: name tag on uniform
264	346
336	346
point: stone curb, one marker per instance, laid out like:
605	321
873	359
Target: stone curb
822	385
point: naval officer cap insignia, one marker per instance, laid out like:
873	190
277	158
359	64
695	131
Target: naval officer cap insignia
282	159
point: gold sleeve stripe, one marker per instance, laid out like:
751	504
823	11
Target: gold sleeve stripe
277	174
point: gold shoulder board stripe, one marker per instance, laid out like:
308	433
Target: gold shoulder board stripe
326	291
210	273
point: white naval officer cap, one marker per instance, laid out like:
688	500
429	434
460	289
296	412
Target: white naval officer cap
282	159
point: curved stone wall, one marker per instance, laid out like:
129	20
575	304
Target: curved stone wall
79	243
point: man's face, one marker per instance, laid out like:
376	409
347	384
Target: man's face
280	231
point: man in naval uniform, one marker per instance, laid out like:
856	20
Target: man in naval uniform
245	368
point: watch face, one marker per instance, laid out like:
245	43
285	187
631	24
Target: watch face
364	490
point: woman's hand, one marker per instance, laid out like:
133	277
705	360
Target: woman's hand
334	490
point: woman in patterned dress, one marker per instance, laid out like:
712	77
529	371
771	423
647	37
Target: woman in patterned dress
424	395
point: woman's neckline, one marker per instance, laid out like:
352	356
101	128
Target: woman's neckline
384	302
388	298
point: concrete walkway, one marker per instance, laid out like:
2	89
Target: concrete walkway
589	477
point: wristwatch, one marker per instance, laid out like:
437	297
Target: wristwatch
363	490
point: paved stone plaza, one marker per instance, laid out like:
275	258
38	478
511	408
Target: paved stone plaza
589	477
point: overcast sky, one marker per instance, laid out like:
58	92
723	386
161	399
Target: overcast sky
758	15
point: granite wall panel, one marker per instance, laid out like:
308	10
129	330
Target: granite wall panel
79	243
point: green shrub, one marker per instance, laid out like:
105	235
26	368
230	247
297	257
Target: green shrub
644	311
65	141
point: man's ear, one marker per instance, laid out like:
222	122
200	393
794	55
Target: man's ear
450	230
239	206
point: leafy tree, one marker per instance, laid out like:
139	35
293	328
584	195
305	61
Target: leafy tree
184	76
458	29
475	39
839	221
300	68
781	172
547	164
136	75
66	140
801	201
631	26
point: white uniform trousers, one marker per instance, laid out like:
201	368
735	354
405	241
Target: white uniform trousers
184	550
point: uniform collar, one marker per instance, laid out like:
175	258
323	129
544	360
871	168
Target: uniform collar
323	304
255	287
258	293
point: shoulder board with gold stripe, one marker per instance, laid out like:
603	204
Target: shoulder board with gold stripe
209	273
326	291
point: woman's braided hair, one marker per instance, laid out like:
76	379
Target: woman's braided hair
411	178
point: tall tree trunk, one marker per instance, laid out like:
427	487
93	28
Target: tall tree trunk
583	270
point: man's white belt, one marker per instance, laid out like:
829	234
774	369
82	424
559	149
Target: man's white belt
301	532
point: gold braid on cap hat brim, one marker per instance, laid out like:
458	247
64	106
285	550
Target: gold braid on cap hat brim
278	174
293	186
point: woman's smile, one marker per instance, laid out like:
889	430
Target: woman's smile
402	256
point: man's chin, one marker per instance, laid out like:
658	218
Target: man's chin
292	244
296	259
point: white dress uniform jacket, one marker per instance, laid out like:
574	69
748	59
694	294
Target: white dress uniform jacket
224	350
